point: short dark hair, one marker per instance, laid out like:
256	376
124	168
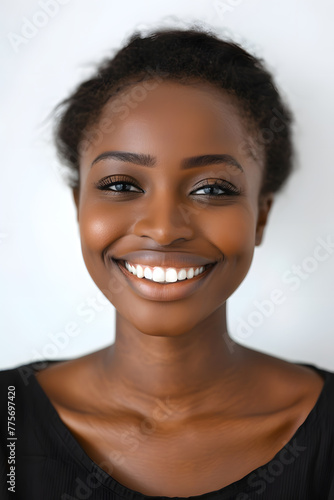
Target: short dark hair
188	55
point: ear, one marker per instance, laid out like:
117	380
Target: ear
265	204
75	193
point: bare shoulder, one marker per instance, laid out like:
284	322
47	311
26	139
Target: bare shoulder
63	381
284	386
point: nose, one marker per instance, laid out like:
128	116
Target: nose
164	219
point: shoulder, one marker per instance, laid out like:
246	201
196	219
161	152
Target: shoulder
324	407
70	383
37	384
9	375
20	384
15	385
290	391
13	382
20	376
31	410
302	396
307	391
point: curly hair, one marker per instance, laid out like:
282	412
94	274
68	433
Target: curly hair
184	56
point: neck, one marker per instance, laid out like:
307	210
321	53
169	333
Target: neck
191	367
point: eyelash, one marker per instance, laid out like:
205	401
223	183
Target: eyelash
105	183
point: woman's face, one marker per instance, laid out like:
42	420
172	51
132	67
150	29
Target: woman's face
160	211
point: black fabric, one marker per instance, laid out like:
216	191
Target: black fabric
50	463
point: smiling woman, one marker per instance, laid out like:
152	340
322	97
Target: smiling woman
176	150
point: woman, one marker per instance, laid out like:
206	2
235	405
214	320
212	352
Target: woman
176	148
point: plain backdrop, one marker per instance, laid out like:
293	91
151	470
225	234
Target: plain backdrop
50	307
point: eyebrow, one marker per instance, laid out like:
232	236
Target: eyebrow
145	160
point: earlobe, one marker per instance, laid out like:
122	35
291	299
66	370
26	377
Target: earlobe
75	193
265	204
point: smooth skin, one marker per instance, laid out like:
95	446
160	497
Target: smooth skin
174	407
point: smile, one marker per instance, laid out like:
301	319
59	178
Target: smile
181	286
164	274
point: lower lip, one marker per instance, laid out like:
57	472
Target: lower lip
164	291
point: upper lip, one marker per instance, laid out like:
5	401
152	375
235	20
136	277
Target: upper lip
153	258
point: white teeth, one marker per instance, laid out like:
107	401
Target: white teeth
171	275
140	272
190	273
160	275
198	271
148	273
182	274
131	268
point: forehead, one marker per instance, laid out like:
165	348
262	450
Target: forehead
168	118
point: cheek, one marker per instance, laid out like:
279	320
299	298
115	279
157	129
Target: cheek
98	224
99	228
232	231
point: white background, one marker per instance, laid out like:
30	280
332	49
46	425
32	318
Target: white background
50	305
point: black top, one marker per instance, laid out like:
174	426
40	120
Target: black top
50	463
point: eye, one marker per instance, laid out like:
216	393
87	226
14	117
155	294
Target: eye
216	189
118	184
